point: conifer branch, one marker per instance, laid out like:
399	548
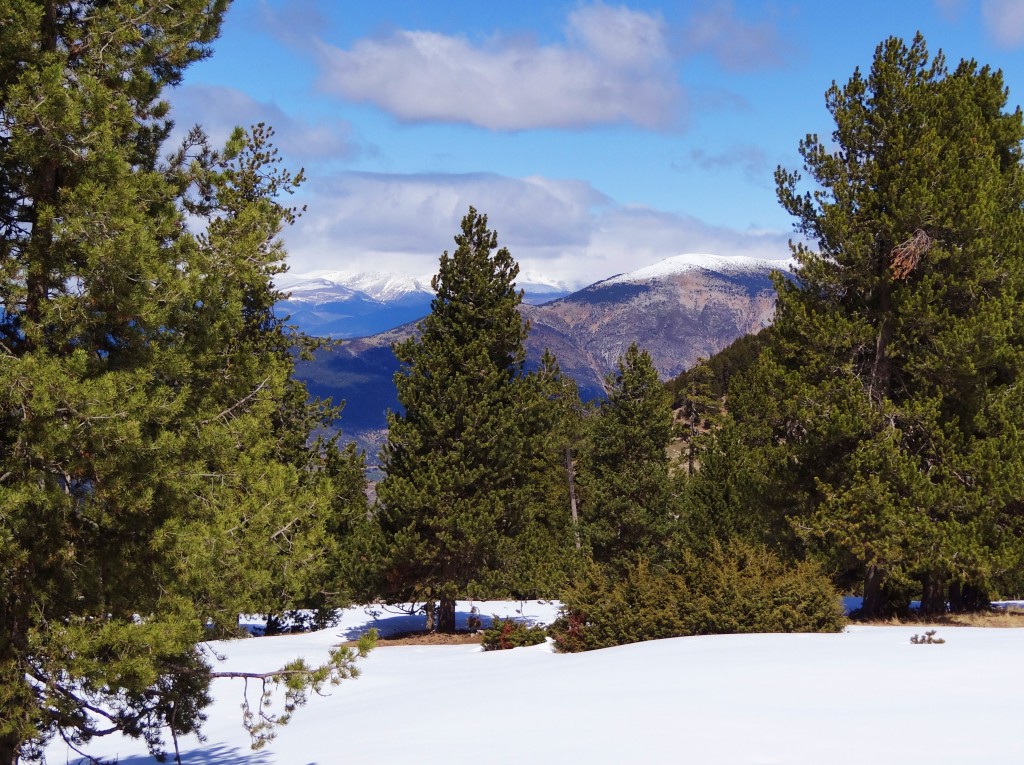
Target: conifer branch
227	412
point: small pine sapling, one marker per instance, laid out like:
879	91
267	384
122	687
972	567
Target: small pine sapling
928	638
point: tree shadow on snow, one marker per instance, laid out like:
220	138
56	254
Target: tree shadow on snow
221	754
389	622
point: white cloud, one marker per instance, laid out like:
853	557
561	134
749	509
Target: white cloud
620	36
750	159
950	10
558	230
614	68
293	22
631	237
736	44
220	109
1004	20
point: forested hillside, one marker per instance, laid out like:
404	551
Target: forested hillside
679	310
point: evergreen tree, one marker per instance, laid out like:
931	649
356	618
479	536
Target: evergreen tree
539	560
154	475
886	410
627	498
567	431
694	396
456	460
735	358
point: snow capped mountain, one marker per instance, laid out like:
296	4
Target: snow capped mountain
680	310
320	286
681	264
349	304
346	304
324	286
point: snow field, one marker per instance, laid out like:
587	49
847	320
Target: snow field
864	696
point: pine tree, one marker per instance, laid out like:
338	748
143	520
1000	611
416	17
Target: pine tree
456	459
567	432
538	561
885	409
696	401
154	475
627	501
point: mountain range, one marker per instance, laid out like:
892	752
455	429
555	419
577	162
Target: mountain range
348	304
680	310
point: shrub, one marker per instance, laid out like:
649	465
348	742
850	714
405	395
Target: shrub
509	633
739	588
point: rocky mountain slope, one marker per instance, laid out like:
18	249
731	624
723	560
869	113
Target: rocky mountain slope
680	310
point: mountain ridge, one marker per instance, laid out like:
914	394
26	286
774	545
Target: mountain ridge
352	304
680	310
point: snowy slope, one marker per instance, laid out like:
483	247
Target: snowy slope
865	696
348	304
325	286
679	264
322	285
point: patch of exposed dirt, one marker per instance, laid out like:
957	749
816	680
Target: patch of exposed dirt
426	638
997	618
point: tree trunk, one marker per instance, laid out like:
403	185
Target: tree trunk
570	471
874	600
933	595
690	448
430	609
19	697
18	701
446	616
881	371
975	598
956	597
9	748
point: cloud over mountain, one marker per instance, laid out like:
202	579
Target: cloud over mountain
615	66
562	231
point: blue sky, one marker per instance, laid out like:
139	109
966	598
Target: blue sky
598	137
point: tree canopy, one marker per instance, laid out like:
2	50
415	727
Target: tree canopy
627	502
156	472
885	413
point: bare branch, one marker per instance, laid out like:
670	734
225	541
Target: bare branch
906	256
227	412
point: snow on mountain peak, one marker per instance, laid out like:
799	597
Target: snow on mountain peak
694	261
374	284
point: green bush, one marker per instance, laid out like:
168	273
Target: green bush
739	588
509	633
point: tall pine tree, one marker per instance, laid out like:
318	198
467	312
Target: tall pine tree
154	475
538	561
627	503
886	410
456	460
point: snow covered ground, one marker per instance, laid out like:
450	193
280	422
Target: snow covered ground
864	696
